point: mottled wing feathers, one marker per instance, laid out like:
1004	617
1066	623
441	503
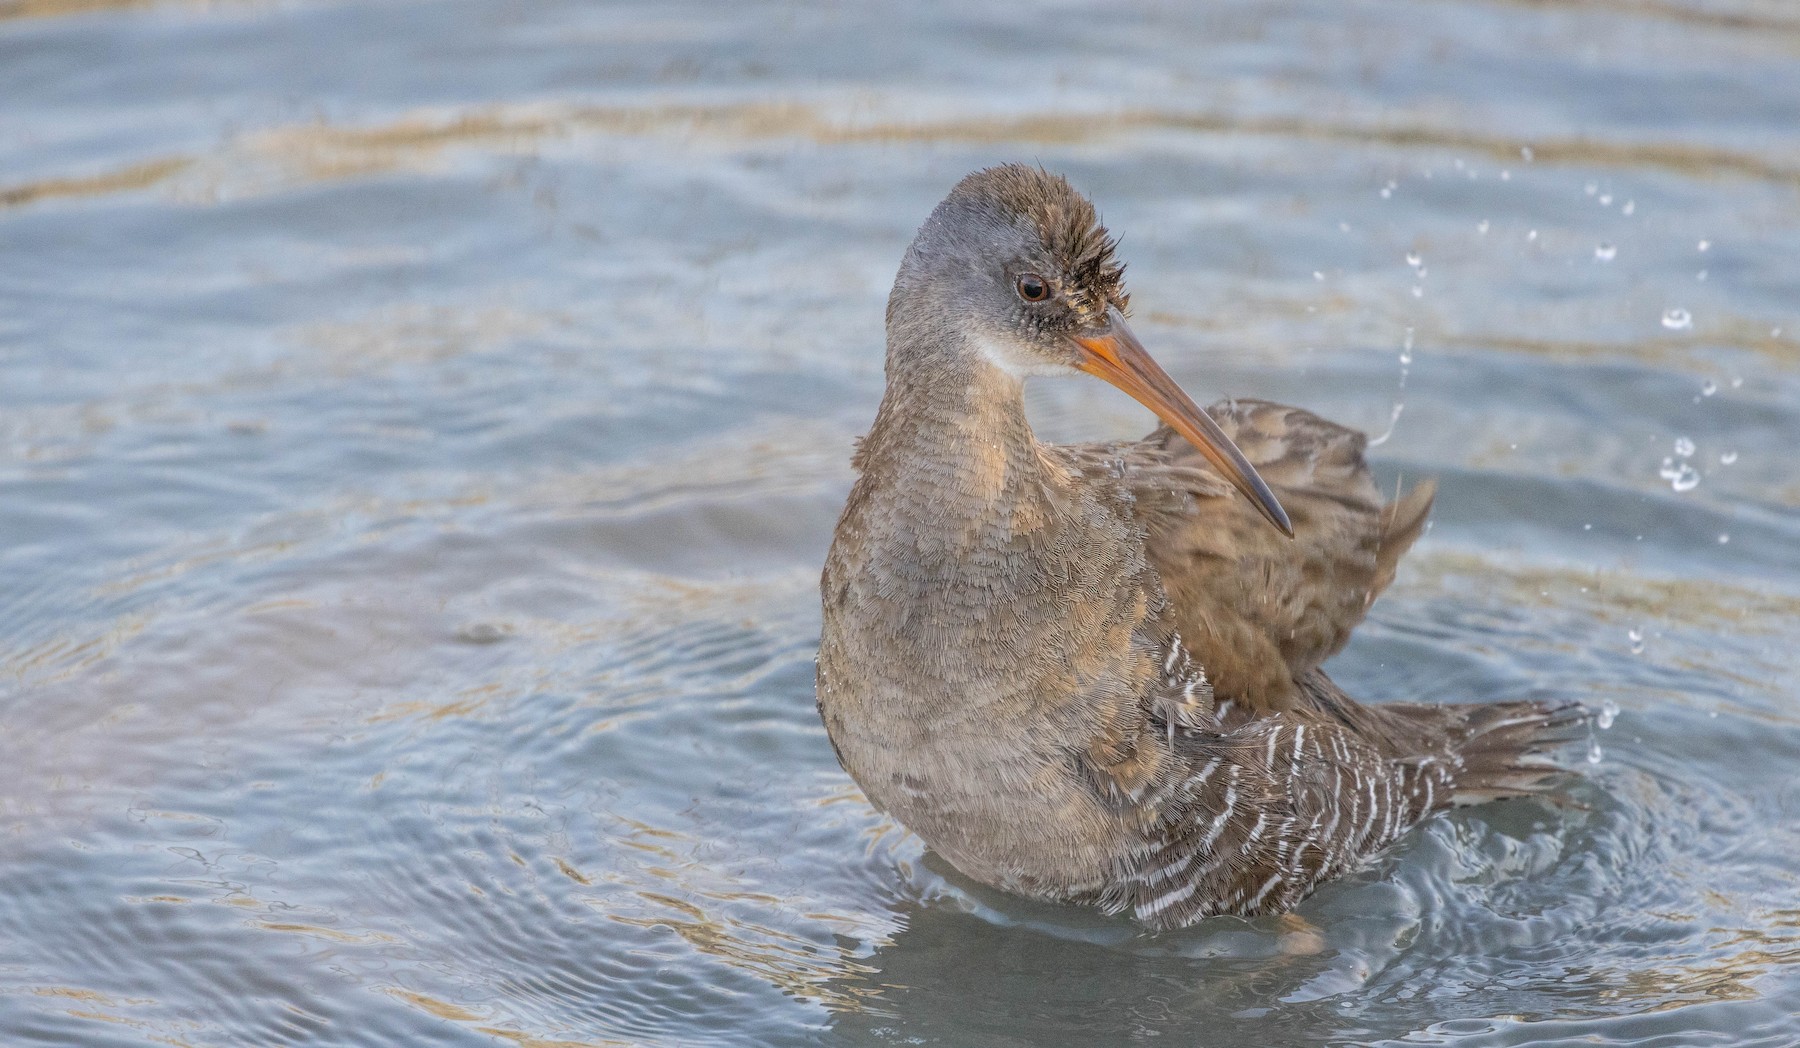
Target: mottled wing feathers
1257	609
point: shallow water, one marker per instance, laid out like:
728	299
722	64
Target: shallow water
421	425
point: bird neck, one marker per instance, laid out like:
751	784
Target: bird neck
951	442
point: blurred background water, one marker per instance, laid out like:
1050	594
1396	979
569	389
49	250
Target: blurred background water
421	422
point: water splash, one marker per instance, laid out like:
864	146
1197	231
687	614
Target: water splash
1680	475
1684	446
1609	711
1406	351
1677	319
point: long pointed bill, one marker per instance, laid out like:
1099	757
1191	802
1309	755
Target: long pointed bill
1114	354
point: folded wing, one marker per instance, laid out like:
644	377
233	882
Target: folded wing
1259	610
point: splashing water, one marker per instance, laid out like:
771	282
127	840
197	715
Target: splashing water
1684	446
1406	348
1680	475
1609	711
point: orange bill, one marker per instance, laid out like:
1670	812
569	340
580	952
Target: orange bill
1114	354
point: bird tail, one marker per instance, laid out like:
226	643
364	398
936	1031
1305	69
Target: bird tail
1508	749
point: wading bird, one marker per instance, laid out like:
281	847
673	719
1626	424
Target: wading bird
1090	673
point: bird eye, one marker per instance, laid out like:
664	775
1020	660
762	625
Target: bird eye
1032	288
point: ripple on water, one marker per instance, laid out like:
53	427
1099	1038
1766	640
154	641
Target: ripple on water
414	492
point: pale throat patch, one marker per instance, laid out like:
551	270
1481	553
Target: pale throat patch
1015	357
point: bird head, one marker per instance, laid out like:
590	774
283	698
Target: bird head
1016	265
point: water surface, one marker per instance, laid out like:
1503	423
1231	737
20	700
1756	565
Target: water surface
421	424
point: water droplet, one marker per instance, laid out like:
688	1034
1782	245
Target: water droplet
1609	712
1526	154
1684	447
481	633
1591	188
1700	275
1726	458
1318	275
1414	259
1628	208
1737	383
1708	388
1587	527
1595	753
1680	475
1388	190
1343	227
1704	245
1636	636
1677	319
1418	292
1505	175
1606	200
1606	252
1724	537
1482	227
1531	235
